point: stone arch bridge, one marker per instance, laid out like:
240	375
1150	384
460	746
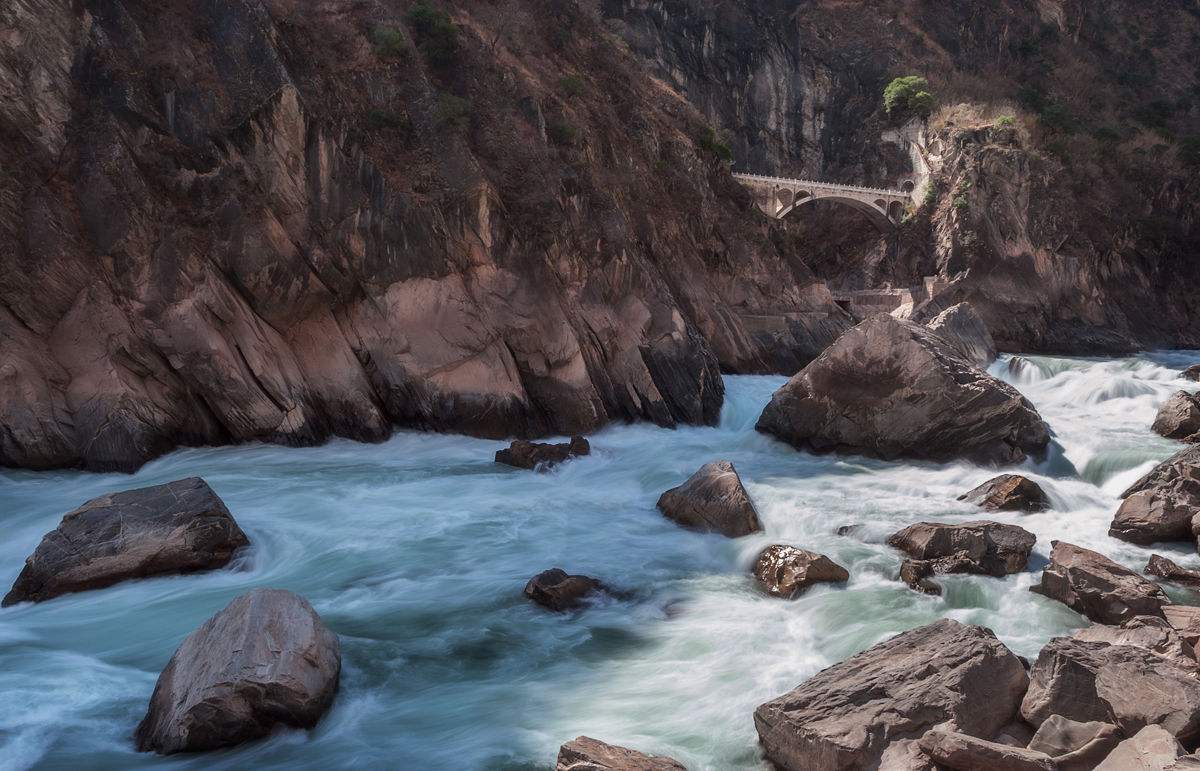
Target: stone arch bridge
777	197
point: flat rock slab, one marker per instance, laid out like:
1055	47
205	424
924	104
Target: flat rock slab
557	590
846	716
533	455
1097	587
587	754
713	500
1008	492
1162	505
959	752
264	661
178	527
892	389
1148	633
788	571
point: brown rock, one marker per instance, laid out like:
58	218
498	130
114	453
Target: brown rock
531	455
986	548
916	573
891	388
712	500
587	754
178	527
960	752
1191	373
847	715
1169	571
966	332
1075	746
1063	682
787	571
1097	587
1162	505
1150	749
1147	632
263	662
558	591
1008	492
1179	417
1184	619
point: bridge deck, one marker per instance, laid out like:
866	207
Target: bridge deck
825	185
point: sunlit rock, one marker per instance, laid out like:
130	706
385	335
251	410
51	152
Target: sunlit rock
1097	587
966	332
1163	504
712	500
1008	492
1074	745
787	571
1179	418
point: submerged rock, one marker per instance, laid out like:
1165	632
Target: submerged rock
1168	571
264	661
1179	418
891	388
960	752
1097	587
986	548
847	715
531	455
1075	746
712	500
587	754
965	331
558	591
1162	505
787	571
178	527
1008	492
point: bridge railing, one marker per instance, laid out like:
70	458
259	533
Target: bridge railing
827	185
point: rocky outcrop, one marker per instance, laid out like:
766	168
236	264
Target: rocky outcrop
891	388
960	752
1169	571
1162	504
265	661
1075	746
1150	749
961	327
986	548
1008	492
1097	587
713	500
846	715
558	591
1179	418
178	527
587	754
787	571
531	455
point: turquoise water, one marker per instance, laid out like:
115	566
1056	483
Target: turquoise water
415	552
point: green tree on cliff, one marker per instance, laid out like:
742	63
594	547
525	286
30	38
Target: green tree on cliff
908	95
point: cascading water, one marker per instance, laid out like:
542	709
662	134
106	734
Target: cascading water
415	552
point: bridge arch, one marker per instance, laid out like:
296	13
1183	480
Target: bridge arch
778	197
878	217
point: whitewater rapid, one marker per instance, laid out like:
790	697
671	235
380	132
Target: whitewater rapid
415	552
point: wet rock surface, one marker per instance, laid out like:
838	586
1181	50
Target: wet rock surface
788	571
1097	587
891	388
178	527
1167	570
986	548
1008	492
713	500
265	661
845	716
587	754
1162	505
559	591
531	455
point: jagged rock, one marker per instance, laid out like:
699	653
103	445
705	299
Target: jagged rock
1179	417
891	388
1075	746
906	755
957	751
846	715
986	548
1008	492
263	662
558	591
1184	619
531	455
916	573
712	500
1063	682
588	754
178	527
1147	632
1162	505
1169	571
966	332
787	571
1097	587
1191	373
1150	749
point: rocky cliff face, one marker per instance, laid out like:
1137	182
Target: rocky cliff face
278	220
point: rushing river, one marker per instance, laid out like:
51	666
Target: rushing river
415	552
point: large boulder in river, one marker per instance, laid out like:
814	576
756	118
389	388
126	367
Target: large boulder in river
557	590
891	388
265	661
965	331
846	716
178	527
787	571
1008	492
713	500
1179	417
532	455
588	754
986	548
1097	587
1168	570
1162	504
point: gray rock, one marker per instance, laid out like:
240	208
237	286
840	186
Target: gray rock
712	500
587	754
1075	746
532	455
788	571
847	715
1161	505
1150	749
264	661
1179	417
965	331
178	527
1097	587
891	388
1169	571
558	591
1008	492
986	548
957	751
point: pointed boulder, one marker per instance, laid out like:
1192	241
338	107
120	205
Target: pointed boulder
712	500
